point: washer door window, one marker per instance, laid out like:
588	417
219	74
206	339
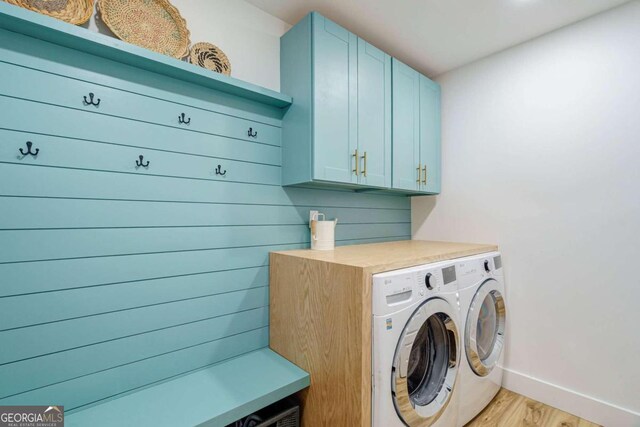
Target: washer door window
425	364
484	333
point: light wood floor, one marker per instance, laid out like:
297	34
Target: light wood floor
509	409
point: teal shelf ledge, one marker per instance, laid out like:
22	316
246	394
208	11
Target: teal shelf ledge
214	396
22	21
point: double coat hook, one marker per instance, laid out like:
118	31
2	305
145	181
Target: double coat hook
90	101
182	119
29	152
219	171
252	133
141	163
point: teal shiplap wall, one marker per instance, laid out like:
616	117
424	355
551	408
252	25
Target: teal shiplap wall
114	277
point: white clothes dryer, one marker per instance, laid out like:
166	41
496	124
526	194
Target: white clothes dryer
483	318
416	347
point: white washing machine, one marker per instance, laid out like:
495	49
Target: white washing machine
416	347
483	316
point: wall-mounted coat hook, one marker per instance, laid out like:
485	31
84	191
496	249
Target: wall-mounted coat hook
182	119
252	133
141	163
90	101
29	145
219	171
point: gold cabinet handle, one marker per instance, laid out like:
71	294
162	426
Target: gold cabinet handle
424	180
418	169
356	160
364	171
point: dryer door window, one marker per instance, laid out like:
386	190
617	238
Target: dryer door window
484	332
425	363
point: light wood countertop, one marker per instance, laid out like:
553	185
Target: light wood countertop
379	257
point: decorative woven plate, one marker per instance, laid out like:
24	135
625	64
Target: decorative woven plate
211	57
72	11
154	24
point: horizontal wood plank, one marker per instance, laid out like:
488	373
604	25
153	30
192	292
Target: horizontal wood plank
372	240
33	181
37	340
40	245
26	213
129	377
55	152
131	134
40	86
34	309
24	278
87	68
47	370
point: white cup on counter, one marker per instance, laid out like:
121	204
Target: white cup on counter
323	233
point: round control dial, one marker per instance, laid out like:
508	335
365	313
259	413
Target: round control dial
486	266
429	281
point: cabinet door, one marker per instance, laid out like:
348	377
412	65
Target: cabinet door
374	115
334	101
430	135
406	126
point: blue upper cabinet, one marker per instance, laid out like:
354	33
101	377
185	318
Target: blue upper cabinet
416	131
359	118
338	129
335	107
374	116
406	128
430	135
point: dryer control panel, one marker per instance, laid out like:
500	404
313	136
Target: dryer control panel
478	268
482	265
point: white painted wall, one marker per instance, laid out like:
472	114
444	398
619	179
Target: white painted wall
249	36
541	154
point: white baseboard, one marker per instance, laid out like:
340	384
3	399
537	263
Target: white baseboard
589	408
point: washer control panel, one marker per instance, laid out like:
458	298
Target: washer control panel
429	280
397	289
449	277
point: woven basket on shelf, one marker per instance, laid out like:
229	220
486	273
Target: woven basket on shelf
72	11
211	57
153	24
